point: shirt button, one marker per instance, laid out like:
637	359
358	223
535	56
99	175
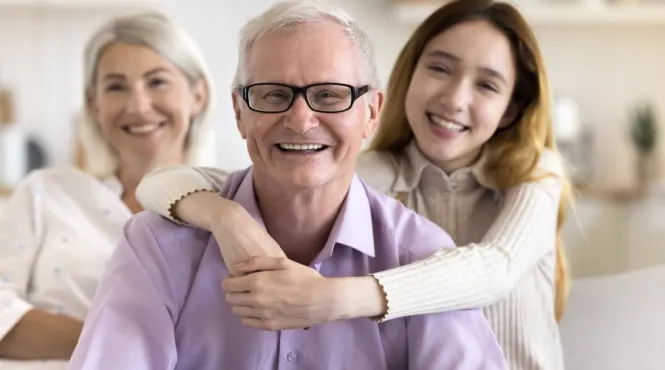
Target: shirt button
292	356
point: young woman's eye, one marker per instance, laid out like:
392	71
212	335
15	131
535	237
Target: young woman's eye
489	86
438	69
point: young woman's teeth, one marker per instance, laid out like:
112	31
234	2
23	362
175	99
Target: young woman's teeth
452	126
142	129
300	146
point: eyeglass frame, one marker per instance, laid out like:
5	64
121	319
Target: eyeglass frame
356	92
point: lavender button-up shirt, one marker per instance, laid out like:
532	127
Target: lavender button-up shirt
160	305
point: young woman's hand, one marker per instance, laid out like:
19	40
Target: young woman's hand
278	294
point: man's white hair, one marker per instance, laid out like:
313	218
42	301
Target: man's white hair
159	33
293	13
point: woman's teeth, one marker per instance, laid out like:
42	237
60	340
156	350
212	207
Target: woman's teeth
301	146
143	129
452	126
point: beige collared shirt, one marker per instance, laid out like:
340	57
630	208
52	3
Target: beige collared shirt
509	238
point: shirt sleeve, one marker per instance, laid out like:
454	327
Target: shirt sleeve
460	339
477	275
162	188
130	323
20	244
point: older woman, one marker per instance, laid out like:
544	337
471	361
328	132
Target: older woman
147	94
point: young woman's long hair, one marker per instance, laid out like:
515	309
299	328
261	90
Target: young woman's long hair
516	149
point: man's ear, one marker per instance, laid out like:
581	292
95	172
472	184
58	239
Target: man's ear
375	106
237	108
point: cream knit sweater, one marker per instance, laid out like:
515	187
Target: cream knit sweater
507	264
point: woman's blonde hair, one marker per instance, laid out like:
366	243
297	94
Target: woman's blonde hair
161	34
514	151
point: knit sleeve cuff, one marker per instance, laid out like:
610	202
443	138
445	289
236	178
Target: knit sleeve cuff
398	285
161	190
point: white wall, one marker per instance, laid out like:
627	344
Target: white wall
608	70
40	60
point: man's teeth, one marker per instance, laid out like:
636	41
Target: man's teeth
142	129
300	146
452	126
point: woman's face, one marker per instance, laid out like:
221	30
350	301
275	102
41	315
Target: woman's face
460	93
144	105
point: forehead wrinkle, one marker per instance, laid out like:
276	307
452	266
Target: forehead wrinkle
332	61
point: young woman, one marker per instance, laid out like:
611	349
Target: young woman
146	99
466	140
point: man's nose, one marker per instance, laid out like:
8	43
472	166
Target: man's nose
300	118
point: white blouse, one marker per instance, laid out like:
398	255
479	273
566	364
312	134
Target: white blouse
57	231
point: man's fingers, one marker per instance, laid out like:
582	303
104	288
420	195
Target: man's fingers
239	299
239	284
246	312
259	263
251	322
271	325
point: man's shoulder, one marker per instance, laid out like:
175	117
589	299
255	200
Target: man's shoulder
169	236
232	182
378	169
403	228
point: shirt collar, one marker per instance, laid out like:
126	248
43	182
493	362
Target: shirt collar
352	228
113	184
414	164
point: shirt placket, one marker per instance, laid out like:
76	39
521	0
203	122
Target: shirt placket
439	192
290	356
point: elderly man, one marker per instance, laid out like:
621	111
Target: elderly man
303	106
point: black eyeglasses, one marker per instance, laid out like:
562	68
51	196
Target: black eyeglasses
320	97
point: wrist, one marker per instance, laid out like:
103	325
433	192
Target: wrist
224	213
359	297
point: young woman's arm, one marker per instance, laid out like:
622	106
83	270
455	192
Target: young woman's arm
189	195
469	276
477	275
163	189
